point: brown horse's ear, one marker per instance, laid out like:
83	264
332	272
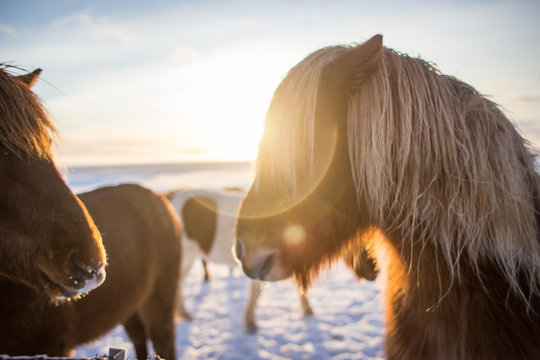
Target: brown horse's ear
31	78
356	64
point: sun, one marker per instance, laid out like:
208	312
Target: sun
225	106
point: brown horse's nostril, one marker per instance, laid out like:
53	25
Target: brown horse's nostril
267	265
260	272
251	273
239	250
83	277
80	271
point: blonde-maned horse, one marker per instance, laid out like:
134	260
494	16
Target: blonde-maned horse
363	138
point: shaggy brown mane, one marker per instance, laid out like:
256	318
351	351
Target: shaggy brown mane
429	149
25	127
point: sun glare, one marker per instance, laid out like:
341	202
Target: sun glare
226	104
211	107
294	235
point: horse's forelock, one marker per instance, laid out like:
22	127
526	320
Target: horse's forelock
428	149
25	128
286	148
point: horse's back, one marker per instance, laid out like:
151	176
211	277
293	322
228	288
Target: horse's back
137	201
142	236
141	221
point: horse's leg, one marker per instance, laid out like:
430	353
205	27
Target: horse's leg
190	253
249	315
134	327
206	272
180	306
158	313
304	303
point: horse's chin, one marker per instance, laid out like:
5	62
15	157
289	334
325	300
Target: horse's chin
54	290
277	273
264	263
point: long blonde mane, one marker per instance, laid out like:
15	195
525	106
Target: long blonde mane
289	125
433	159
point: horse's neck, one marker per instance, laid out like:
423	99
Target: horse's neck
427	308
419	306
30	321
18	302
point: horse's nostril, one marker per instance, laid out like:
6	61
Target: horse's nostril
251	274
80	270
239	250
267	265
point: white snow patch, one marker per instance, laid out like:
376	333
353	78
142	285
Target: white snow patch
347	324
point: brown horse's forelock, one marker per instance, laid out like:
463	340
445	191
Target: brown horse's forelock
431	158
25	128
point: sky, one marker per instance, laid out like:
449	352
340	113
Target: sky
170	81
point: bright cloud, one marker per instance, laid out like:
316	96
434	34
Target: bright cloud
8	30
101	28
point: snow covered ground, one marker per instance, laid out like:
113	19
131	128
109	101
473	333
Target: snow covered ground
347	324
348	319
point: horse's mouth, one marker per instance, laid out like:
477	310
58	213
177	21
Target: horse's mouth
60	285
54	289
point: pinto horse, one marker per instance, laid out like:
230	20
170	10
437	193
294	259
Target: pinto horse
363	138
208	219
141	233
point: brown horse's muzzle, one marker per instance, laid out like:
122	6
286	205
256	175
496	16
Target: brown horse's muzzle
76	265
68	286
74	277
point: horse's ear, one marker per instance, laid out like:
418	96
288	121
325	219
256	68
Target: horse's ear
357	63
31	78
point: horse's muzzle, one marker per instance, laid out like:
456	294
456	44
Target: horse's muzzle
75	280
260	263
83	277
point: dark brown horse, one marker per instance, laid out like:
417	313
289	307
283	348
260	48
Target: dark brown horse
141	233
363	138
48	242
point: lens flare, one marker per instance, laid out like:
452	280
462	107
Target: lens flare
294	235
302	189
224	202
